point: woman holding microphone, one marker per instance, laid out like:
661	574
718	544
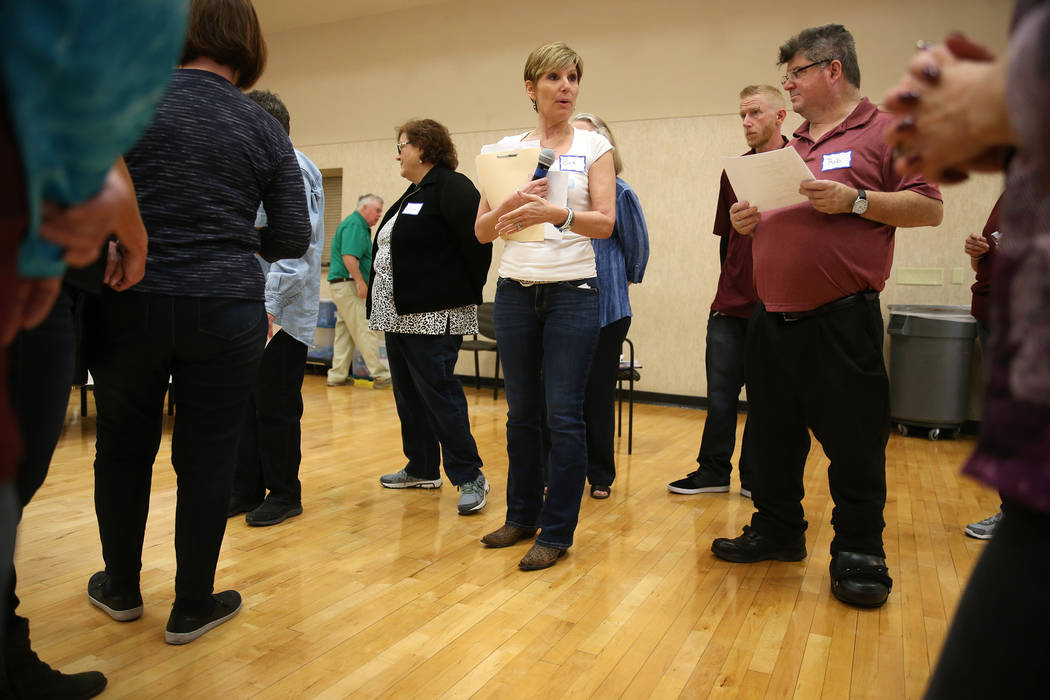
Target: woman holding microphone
546	309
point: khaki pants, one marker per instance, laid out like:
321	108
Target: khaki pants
352	330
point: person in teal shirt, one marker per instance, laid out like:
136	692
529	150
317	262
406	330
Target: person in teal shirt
351	259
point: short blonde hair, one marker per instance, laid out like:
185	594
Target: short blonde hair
550	57
776	97
602	128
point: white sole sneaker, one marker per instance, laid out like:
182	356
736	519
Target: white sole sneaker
421	484
480	505
187	637
706	489
118	615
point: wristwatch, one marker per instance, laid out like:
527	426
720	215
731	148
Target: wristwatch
860	204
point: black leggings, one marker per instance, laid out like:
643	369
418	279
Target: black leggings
998	643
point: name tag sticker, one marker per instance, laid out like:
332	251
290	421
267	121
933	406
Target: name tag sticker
412	208
572	164
835	161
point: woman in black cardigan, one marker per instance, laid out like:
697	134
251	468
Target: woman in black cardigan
427	273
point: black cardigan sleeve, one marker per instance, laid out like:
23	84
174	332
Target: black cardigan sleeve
459	206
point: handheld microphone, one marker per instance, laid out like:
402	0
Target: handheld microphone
545	162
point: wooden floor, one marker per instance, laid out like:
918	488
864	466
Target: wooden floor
374	592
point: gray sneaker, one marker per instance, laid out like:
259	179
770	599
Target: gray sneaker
472	495
403	480
984	529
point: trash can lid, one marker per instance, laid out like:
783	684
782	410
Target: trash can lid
959	314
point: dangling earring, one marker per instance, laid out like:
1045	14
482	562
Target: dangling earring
534	107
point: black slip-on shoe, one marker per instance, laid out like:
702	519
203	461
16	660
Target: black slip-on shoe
753	546
26	677
122	607
271	513
184	628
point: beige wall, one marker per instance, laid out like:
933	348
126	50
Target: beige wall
664	74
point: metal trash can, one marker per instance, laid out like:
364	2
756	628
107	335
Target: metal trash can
931	348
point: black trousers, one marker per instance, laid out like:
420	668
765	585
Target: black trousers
824	373
270	449
997	644
211	348
41	374
599	403
435	423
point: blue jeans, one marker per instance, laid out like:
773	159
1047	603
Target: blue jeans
211	347
432	407
725	378
550	329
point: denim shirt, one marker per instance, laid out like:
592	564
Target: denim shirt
293	287
622	257
82	80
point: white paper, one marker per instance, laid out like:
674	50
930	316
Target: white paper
768	180
558	195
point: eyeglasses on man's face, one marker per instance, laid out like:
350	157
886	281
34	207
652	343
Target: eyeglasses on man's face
792	75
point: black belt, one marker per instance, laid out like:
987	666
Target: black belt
341	279
790	316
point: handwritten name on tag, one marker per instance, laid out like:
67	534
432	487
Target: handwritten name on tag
835	161
572	164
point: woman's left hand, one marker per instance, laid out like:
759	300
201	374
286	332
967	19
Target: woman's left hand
536	210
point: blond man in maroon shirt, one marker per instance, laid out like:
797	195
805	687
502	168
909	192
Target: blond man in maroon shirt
814	357
762	112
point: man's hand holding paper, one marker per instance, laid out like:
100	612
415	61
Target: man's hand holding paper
744	218
768	180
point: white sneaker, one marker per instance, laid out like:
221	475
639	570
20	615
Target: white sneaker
984	529
403	480
472	495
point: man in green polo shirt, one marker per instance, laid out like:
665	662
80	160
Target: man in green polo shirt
351	262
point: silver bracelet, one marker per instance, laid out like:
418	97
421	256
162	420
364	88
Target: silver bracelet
568	221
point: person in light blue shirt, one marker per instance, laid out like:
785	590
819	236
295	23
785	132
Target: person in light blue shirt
270	448
621	261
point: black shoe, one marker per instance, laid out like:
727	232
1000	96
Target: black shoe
752	546
860	579
26	677
184	628
237	506
699	482
122	607
271	513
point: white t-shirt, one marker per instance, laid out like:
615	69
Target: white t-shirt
560	255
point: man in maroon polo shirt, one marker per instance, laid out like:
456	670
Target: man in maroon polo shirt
814	356
762	112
